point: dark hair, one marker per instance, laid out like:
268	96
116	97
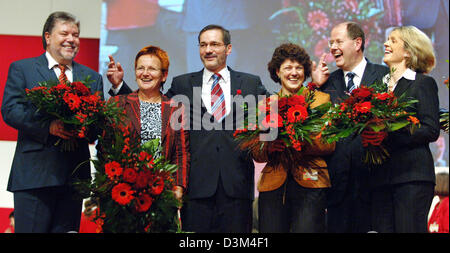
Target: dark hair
354	31
51	21
288	51
225	33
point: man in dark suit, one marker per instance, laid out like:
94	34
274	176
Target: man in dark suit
41	174
348	198
221	180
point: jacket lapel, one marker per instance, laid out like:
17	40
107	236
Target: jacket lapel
402	86
165	117
235	81
339	83
42	68
78	73
369	76
134	108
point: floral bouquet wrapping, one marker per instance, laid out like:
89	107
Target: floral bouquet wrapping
372	112
73	104
293	117
132	186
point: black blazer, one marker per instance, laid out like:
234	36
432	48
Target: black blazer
410	155
214	152
37	162
348	174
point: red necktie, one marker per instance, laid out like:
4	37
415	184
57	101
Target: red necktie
217	99
62	77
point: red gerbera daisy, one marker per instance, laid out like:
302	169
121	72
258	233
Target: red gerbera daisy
297	113
72	100
113	169
143	202
157	186
122	193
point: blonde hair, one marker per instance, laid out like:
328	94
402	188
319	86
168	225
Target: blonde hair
421	53
441	188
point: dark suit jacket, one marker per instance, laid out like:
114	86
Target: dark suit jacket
175	143
410	155
347	157
37	162
214	152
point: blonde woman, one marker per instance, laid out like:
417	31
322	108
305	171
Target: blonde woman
403	187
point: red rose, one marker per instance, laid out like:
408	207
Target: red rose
130	175
297	113
296	100
143	202
363	107
362	92
81	88
122	193
142	179
312	86
382	96
282	104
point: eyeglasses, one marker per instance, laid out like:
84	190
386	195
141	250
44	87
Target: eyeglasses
151	70
338	43
213	45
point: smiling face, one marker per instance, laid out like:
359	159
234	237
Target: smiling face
63	41
149	75
345	50
394	52
292	76
213	52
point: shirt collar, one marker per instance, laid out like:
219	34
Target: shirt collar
359	69
225	73
52	62
408	74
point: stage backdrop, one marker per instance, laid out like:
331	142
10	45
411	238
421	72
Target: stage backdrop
258	26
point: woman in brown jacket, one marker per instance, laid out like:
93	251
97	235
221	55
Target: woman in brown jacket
293	184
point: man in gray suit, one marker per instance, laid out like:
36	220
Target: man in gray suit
41	174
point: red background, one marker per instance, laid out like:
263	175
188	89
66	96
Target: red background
17	47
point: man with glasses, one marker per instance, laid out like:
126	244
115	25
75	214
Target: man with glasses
348	208
220	187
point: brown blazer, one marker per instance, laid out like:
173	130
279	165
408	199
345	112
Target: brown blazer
307	167
175	144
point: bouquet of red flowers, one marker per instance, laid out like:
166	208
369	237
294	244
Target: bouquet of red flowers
73	104
295	120
132	186
372	112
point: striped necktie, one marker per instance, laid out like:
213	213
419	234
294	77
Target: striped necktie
62	76
350	85
217	99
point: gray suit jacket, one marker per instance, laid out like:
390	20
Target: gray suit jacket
37	162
